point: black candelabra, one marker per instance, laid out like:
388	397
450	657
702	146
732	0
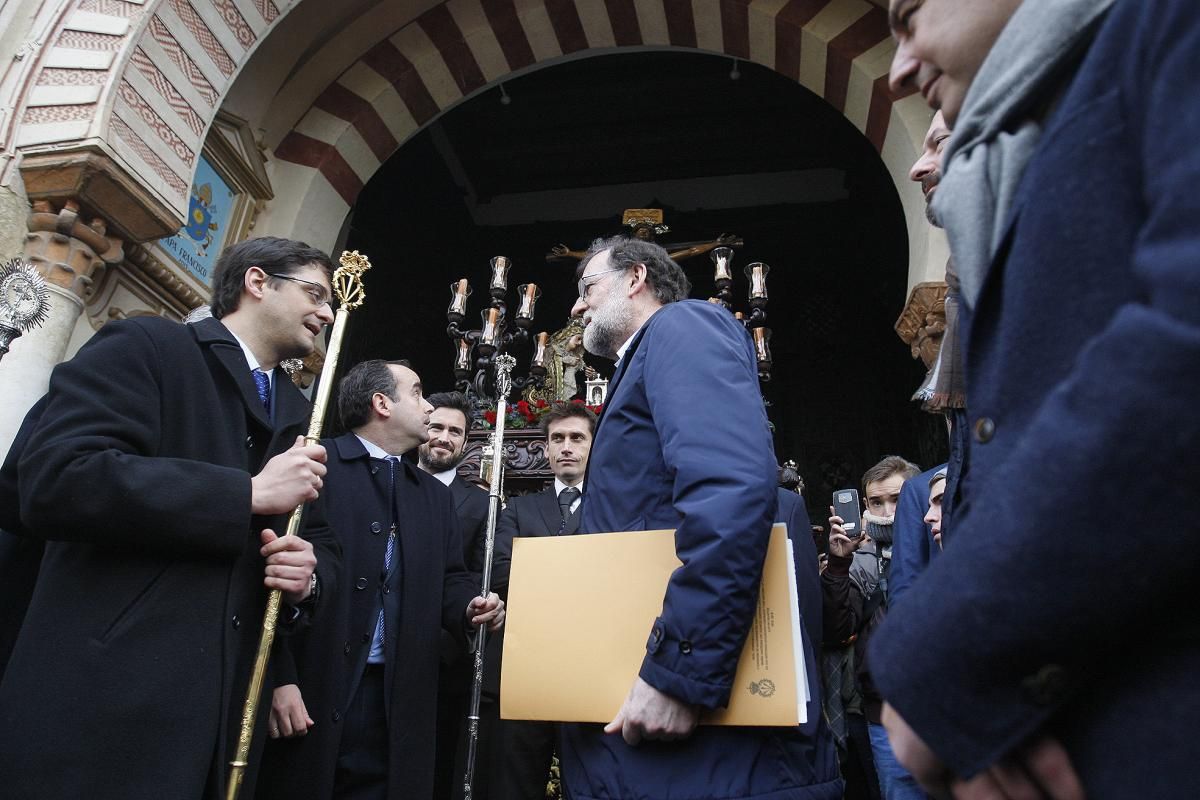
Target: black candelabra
755	321
475	350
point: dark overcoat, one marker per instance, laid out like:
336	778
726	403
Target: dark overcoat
329	657
129	673
471	506
1064	599
684	443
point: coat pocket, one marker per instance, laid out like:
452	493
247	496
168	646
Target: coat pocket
129	612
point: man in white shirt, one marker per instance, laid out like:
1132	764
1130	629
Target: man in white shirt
356	716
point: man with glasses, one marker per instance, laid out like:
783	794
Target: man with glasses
683	443
159	469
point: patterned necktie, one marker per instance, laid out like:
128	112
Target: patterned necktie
389	551
262	382
566	498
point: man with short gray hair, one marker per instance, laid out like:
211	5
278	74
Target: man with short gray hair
683	443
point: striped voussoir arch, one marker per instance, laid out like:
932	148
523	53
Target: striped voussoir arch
838	49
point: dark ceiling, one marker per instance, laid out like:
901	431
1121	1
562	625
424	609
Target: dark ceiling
579	141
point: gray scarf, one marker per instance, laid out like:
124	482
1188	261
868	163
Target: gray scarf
1000	123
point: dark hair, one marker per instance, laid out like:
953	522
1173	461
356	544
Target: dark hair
886	468
455	400
361	384
560	411
665	277
269	253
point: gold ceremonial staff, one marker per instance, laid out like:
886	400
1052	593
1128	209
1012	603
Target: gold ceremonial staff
347	285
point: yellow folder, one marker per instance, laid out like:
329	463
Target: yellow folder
580	610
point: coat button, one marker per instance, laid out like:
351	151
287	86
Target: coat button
360	584
685	647
376	527
346	649
237	623
985	429
657	633
1047	687
337	715
249	442
387	589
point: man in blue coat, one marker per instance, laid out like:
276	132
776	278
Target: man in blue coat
1050	651
683	443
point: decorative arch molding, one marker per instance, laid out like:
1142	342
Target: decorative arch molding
838	49
116	105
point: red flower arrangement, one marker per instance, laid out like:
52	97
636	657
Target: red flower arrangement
526	415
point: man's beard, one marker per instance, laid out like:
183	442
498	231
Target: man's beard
608	328
438	462
928	184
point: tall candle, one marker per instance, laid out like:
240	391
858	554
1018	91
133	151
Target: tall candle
491	330
762	351
537	365
529	294
462	357
458	299
722	258
500	265
757	273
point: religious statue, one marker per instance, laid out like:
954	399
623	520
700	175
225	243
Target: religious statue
564	362
645	224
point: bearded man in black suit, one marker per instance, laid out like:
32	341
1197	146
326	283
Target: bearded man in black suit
440	456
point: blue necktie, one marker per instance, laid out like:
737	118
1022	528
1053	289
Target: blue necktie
389	553
262	382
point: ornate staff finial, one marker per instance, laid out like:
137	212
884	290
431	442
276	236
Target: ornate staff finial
504	367
24	301
347	279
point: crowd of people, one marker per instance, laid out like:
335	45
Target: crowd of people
983	631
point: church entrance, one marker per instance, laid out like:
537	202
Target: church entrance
722	146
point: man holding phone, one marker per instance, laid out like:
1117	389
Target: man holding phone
854	587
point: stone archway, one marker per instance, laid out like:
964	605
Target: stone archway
838	49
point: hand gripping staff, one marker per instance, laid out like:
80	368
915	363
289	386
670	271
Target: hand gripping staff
347	285
504	365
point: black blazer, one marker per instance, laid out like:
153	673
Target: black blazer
430	589
137	478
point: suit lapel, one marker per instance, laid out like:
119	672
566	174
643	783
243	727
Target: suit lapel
547	502
459	488
230	355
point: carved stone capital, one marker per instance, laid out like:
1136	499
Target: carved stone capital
923	321
94	180
70	250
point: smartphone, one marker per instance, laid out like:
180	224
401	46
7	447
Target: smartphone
846	506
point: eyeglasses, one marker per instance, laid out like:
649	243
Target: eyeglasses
584	287
316	291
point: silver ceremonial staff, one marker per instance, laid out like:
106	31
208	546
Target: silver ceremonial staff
347	285
24	301
504	364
